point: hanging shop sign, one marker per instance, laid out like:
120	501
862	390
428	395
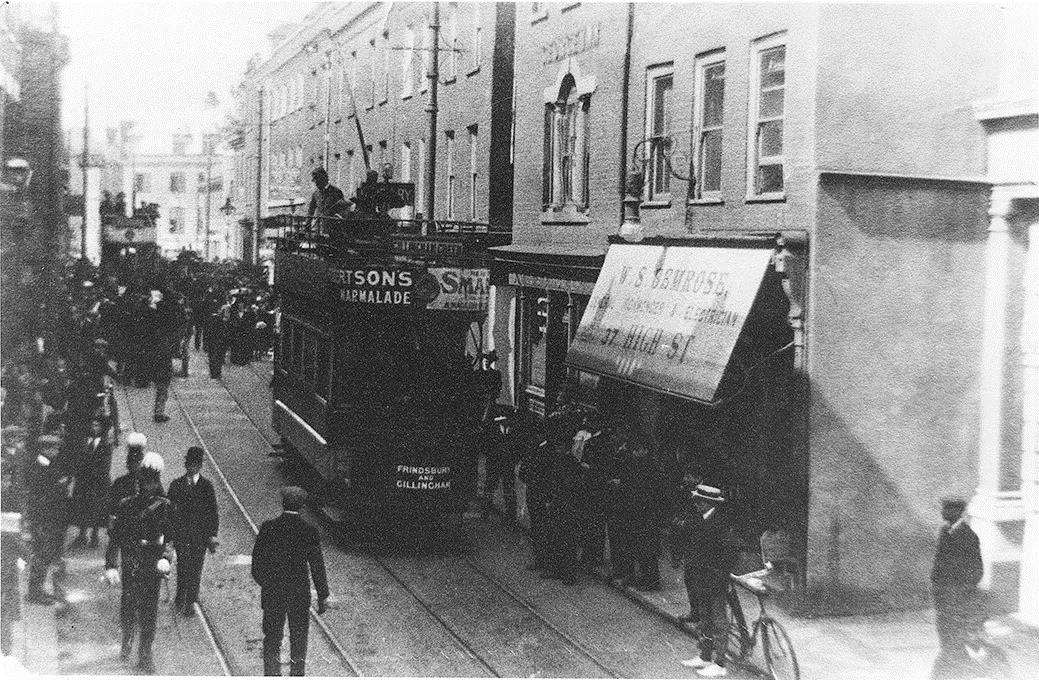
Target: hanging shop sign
374	285
668	317
461	289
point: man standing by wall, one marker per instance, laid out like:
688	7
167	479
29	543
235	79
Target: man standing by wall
954	582
197	521
286	548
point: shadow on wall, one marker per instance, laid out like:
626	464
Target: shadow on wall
868	550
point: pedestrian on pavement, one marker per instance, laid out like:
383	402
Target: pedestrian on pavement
216	338
687	516
535	471
954	583
92	467
708	567
642	484
563	511
140	529
197	522
589	448
286	549
11	545
48	487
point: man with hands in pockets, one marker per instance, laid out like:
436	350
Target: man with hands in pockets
286	549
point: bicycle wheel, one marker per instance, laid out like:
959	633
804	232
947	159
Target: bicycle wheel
739	634
780	660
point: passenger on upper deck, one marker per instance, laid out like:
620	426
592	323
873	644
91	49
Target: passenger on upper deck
326	201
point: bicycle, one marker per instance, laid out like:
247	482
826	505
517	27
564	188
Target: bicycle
780	659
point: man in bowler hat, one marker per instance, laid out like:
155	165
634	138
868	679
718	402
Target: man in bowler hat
196	522
954	583
287	548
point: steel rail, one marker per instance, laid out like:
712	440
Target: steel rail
226	666
463	645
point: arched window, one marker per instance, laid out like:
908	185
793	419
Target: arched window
565	171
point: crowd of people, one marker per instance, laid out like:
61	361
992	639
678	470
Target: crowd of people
61	425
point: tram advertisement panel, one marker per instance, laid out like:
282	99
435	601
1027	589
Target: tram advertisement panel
461	288
374	285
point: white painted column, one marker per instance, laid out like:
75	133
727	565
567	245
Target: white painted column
984	507
1028	601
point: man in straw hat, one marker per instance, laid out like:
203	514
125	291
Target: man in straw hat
707	572
140	527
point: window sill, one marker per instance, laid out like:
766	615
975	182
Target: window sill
710	200
777	197
472	73
656	203
382	102
448	81
539	17
406	97
337	121
567	215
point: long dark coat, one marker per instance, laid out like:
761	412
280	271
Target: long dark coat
286	549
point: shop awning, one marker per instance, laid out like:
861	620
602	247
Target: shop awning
667	317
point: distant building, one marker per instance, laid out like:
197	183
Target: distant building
176	178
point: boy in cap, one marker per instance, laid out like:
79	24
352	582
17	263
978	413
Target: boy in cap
139	529
197	521
707	572
954	582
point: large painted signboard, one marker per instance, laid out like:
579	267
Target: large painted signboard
668	318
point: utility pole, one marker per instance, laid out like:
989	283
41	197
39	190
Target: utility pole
328	106
208	141
84	164
431	109
255	241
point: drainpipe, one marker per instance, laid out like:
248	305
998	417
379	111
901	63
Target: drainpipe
622	180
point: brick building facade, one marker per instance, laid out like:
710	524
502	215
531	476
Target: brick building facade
836	141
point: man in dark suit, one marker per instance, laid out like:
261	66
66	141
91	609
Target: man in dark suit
954	582
196	522
285	548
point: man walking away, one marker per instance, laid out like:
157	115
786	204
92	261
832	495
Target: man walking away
286	548
954	582
139	529
197	521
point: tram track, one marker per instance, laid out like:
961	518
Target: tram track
226	666
330	638
510	594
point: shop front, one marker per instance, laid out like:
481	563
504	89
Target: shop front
689	343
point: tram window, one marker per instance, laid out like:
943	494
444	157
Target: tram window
321	380
308	358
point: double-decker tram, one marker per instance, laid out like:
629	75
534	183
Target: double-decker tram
377	379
